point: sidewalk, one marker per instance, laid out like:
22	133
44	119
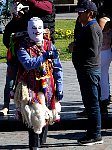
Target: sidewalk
62	135
71	103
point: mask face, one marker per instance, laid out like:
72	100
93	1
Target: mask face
35	29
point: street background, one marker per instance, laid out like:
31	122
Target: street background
60	139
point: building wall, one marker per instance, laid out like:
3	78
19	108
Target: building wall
65	1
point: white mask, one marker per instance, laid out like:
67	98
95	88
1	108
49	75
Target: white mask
35	30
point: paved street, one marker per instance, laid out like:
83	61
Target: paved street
60	139
57	140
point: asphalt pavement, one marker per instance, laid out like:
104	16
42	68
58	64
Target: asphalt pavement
60	136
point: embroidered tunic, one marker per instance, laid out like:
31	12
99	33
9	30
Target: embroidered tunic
40	74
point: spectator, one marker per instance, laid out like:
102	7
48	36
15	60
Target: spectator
42	9
106	57
104	11
78	25
86	60
19	14
104	19
77	30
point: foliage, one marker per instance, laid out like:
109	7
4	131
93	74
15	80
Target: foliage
64	34
62	44
2	49
64	30
66	26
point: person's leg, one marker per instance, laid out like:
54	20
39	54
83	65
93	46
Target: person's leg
93	109
82	90
104	82
81	79
10	81
36	140
90	83
43	135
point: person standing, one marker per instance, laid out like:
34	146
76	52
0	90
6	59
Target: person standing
86	60
104	14
19	14
42	9
106	58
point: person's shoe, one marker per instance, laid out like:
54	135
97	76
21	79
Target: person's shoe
109	99
87	141
4	112
104	111
104	107
83	113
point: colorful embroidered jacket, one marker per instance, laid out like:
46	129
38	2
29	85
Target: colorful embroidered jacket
40	74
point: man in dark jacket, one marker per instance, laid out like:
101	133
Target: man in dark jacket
104	9
86	60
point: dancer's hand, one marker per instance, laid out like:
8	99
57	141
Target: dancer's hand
51	54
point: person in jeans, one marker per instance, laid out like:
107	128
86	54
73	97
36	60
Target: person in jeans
103	16
86	60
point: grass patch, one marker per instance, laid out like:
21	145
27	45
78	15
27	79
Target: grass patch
61	44
65	24
3	51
